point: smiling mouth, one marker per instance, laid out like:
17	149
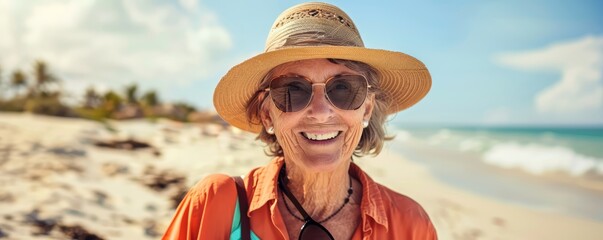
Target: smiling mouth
321	137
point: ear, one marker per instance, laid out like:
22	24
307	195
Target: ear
368	107
265	116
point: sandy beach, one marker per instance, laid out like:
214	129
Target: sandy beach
58	181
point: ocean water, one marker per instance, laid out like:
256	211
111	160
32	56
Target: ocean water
536	150
548	169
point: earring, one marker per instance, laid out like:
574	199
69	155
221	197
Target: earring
270	130
365	123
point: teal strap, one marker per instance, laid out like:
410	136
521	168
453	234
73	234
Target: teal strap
235	229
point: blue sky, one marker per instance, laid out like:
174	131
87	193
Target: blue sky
492	63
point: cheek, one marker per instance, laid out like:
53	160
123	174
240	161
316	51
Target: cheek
283	129
352	137
289	142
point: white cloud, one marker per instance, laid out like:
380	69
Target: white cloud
113	43
580	62
190	5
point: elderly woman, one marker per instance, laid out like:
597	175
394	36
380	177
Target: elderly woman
317	97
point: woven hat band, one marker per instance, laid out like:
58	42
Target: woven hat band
313	26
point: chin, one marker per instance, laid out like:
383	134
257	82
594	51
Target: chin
323	162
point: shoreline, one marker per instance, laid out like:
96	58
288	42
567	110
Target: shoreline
556	192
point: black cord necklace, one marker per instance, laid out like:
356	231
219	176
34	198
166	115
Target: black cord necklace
285	191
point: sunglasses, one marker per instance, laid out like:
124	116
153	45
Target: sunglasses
311	230
294	93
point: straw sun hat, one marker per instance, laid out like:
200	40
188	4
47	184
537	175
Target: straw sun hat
318	30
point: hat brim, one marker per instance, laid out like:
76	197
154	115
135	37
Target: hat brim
403	78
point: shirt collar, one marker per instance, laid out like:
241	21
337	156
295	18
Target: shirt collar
373	204
265	184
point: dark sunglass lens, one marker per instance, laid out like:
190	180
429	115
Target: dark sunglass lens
347	92
290	94
314	231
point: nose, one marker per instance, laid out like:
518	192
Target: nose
319	109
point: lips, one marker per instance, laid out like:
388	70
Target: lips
321	136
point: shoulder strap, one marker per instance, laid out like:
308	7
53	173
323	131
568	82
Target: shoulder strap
243	206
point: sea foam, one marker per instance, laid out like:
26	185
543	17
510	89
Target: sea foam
539	159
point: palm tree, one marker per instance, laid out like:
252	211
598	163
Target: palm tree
1	83
150	98
43	76
91	98
111	101
18	81
131	93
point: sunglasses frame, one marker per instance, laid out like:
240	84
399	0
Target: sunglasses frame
324	84
311	221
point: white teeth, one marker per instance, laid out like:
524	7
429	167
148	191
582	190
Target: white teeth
320	137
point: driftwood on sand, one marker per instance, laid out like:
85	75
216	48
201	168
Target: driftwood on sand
129	144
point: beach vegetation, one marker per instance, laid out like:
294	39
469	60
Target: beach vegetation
1	84
131	94
41	92
18	81
41	96
44	80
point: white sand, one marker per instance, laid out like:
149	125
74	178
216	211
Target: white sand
50	165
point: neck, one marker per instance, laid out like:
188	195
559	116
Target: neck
320	193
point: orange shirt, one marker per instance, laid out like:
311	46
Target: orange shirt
207	210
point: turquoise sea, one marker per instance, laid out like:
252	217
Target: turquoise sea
544	168
536	150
